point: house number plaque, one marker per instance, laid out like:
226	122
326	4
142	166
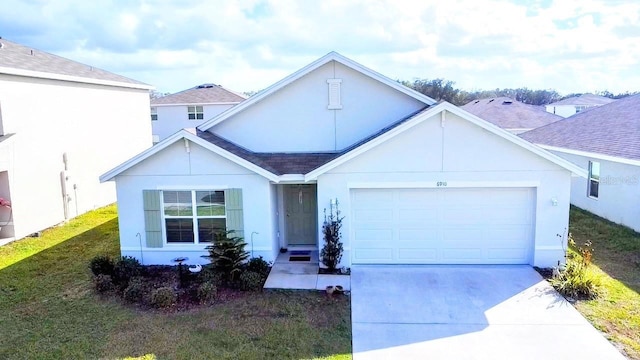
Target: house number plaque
441	183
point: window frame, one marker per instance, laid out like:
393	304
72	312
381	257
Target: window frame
154	113
591	179
196	114
194	217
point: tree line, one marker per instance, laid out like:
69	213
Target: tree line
445	90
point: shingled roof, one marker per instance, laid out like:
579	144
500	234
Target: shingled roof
293	163
20	57
201	94
584	99
510	114
612	129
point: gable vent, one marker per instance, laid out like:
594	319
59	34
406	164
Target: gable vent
335	101
507	102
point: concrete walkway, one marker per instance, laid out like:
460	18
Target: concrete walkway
302	276
466	312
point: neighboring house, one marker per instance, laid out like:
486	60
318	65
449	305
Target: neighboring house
509	114
62	124
417	182
189	108
573	105
606	141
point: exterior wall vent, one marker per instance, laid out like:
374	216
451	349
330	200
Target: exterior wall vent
335	101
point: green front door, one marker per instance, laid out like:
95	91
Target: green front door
301	214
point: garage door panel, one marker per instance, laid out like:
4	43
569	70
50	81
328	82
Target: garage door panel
373	215
417	255
446	226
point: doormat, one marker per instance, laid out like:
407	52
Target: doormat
300	252
299	258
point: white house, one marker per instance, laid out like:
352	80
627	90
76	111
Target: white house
62	124
189	108
416	182
606	141
573	105
512	115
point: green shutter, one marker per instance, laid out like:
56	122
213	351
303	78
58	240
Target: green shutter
152	218
233	205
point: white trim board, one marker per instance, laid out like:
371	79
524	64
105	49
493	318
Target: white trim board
591	155
78	79
450	184
332	56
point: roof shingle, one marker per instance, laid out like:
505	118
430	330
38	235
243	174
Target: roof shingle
584	99
201	94
612	129
510	114
17	56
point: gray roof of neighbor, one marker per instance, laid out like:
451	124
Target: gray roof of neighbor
584	99
17	56
612	129
201	94
510	114
293	163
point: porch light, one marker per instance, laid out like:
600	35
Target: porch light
554	201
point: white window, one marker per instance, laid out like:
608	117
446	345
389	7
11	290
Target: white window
335	101
594	179
154	114
195	112
580	108
193	217
155	139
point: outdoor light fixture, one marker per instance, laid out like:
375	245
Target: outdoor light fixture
554	201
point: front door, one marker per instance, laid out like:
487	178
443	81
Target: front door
301	214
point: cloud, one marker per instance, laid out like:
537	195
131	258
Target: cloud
247	45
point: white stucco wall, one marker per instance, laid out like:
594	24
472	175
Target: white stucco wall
172	118
176	169
98	127
463	155
296	118
618	194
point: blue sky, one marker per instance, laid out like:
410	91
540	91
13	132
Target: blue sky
571	46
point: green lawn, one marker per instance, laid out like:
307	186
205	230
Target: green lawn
617	258
49	311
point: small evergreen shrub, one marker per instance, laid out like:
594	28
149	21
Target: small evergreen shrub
125	269
208	274
163	297
102	265
103	283
578	279
227	254
207	293
135	291
250	281
259	265
331	253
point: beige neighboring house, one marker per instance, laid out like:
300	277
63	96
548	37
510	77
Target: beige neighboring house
189	108
62	124
573	105
514	116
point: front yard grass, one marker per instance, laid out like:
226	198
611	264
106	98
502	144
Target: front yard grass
617	258
48	310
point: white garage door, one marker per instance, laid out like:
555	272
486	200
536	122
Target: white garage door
442	226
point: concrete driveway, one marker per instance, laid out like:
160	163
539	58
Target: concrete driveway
466	312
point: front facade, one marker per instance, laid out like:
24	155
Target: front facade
605	141
189	108
62	126
416	182
573	105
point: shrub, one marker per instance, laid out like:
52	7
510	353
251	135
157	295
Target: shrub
259	265
135	291
227	254
103	283
163	297
577	279
125	269
331	253
250	280
210	275
102	265
207	293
